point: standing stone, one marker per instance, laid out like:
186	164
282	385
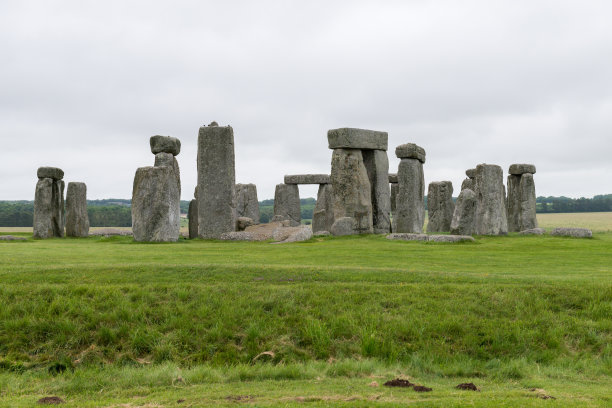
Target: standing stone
352	197
377	166
216	181
464	217
323	215
155	205
77	220
528	218
440	206
410	206
49	203
193	219
521	198
246	202
491	217
394	191
469	184
287	203
514	203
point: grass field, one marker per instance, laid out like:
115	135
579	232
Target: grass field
109	322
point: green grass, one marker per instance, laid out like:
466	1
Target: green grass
508	313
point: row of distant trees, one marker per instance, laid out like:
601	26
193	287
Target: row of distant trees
117	212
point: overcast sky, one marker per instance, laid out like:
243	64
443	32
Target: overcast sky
84	84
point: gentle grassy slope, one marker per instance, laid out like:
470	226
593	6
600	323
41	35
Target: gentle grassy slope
509	313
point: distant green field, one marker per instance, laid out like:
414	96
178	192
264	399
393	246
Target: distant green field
106	321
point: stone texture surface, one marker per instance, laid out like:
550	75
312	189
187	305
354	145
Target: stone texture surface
49	212
165	144
77	220
491	217
155	205
50	172
164	159
351	188
352	138
521	168
193	219
377	166
323	214
471	173
468	183
429	238
394	191
533	231
307	179
410	151
572	232
11	238
440	206
292	234
393	178
410	207
464	216
513	203
527	218
243	222
246	202
216	181
271	231
344	226
109	232
287	203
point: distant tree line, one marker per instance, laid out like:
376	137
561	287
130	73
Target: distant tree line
598	203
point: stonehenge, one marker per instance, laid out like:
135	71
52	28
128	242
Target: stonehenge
287	204
361	197
409	214
440	206
49	213
247	204
156	194
77	221
491	217
521	201
216	181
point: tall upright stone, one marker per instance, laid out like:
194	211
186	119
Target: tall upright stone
246	202
156	194
192	215
410	205
464	216
469	182
394	191
377	166
77	220
49	212
521	201
216	181
287	203
440	206
491	216
323	214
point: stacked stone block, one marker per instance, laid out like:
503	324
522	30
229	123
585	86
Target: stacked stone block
49	213
322	217
409	213
521	201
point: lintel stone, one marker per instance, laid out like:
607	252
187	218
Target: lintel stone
410	151
518	169
50	172
352	138
307	179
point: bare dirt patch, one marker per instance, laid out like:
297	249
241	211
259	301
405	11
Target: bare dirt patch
50	401
467	386
398	382
422	388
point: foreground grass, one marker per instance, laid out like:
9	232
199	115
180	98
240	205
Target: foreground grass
509	313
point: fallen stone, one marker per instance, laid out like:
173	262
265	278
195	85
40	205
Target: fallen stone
192	215
471	173
533	231
272	231
109	232
352	194
410	151
464	216
519	169
216	181
243	222
247	204
323	214
377	166
11	238
50	172
440	206
77	220
393	178
429	238
292	234
287	203
407	236
451	238
572	232
352	138
165	144
409	214
307	179
491	216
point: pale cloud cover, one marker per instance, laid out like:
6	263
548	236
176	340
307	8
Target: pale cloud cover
85	83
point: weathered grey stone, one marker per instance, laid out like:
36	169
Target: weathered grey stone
393	178
246	202
287	203
278	218
471	173
572	232
491	217
352	138
323	214
216	181
440	206
77	220
521	168
377	166
271	231
321	234
109	232
164	159
394	191
407	237
351	188
533	231
11	238
429	238
49	208
528	218
165	144
307	179
155	205
464	216
469	184
410	151
192	215
451	238
243	222
292	234
344	226
410	206
50	172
